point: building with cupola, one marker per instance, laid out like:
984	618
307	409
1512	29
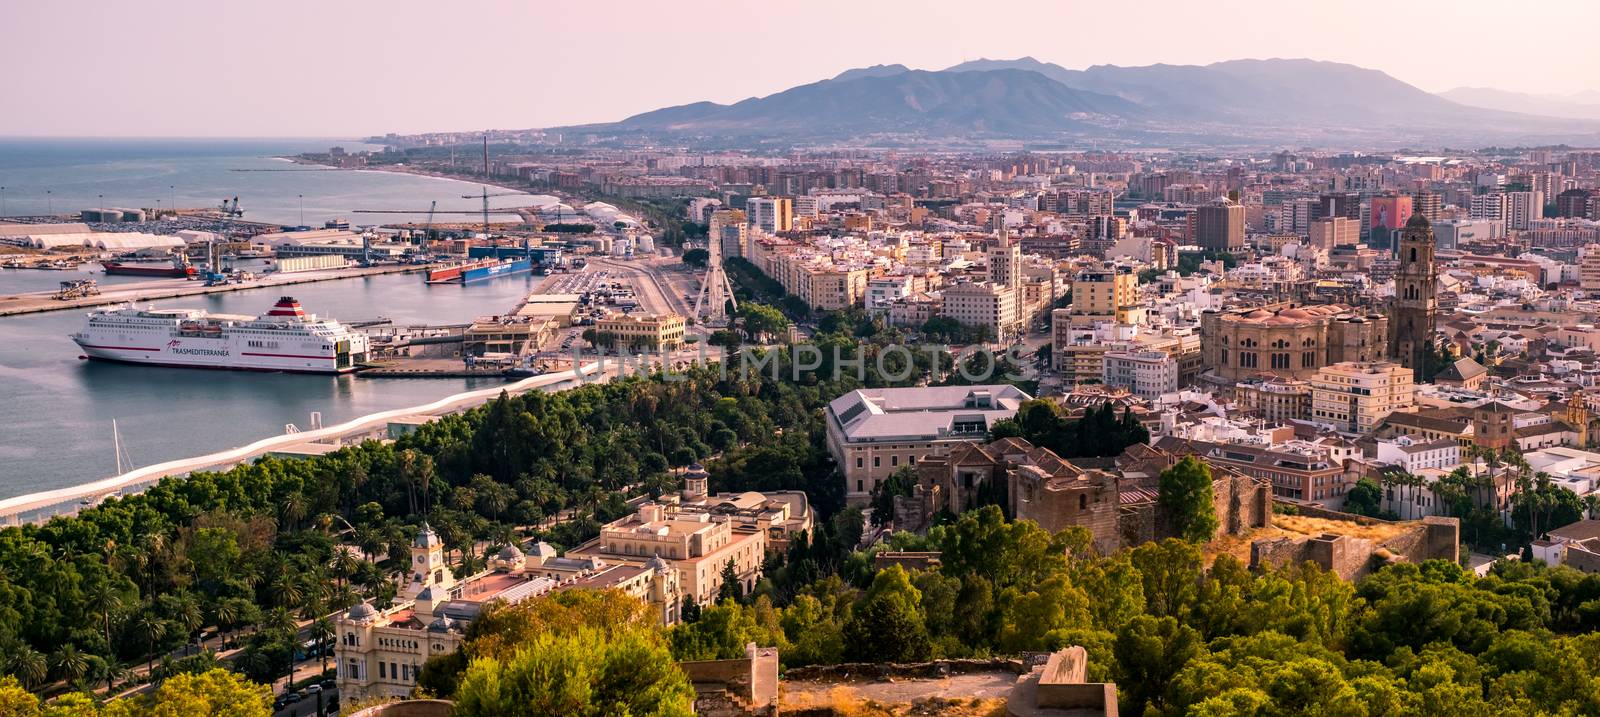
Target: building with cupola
379	650
672	550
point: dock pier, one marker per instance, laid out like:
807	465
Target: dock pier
39	302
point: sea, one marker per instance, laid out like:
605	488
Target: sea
56	411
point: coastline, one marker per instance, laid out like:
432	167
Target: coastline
407	169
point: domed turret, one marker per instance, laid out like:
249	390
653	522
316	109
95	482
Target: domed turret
361	612
441	624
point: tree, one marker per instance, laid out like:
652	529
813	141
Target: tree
1364	498
726	339
732	588
887	624
696	258
217	692
584	673
1186	497
1149	652
29	666
69	664
899	483
152	629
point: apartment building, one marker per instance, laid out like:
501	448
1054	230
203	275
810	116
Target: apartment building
771	214
1104	294
1357	396
1277	399
1146	373
983	305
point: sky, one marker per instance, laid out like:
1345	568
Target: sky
351	68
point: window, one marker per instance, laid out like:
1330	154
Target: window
876	461
382	674
1083	501
858	462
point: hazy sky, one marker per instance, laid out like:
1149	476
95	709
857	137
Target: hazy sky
358	67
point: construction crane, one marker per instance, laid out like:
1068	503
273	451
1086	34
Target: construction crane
427	227
486	187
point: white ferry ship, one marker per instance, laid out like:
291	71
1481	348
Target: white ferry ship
285	339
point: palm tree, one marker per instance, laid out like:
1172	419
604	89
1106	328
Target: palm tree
29	665
106	601
283	623
152	629
189	617
322	632
290	593
69	664
293	509
227	614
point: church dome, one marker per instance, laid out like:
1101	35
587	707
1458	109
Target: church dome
441	624
361	611
1417	221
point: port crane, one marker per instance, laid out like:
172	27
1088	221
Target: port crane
427	227
231	207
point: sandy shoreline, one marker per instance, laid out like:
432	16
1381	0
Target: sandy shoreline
404	169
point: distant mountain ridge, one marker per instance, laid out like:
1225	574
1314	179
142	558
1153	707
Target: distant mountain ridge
1002	102
1276	100
1577	106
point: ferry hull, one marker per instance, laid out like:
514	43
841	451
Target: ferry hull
218	358
115	268
517	266
164	364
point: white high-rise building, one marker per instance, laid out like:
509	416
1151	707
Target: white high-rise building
1522	209
1488	206
771	214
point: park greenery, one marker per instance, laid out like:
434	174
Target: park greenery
258	556
1183	637
1099	432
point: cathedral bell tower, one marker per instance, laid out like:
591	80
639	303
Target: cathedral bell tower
1415	306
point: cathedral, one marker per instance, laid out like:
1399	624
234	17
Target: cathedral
1415	309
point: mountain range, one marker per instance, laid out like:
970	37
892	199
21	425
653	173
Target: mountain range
1235	102
1581	105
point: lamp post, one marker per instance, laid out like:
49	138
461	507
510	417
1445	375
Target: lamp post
49	203
2	201
302	198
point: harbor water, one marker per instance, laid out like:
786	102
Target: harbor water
55	424
55	421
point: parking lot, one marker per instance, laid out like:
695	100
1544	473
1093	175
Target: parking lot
602	293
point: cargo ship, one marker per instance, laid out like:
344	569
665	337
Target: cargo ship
286	338
498	269
452	274
479	270
178	268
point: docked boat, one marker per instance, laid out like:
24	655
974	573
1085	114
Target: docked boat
452	274
284	339
178	268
